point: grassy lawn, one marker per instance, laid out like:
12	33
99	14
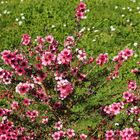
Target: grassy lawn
111	26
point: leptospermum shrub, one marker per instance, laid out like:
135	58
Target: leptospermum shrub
41	83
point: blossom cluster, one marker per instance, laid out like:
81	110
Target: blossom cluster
16	60
69	133
102	59
5	76
4	111
123	55
114	108
129	97
80	11
65	88
125	134
32	114
23	88
8	131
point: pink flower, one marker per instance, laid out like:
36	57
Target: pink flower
39	77
47	58
58	125
26	101
132	85
70	133
83	136
81	55
5	76
64	57
20	71
80	11
130	97
102	59
127	132
65	88
123	55
45	120
109	134
135	110
14	105
61	133
26	39
40	40
128	52
3	137
114	108
23	88
69	42
32	114
39	66
49	38
56	136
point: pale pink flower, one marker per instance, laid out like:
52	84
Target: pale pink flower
49	38
47	58
23	88
70	133
64	57
83	136
132	85
58	125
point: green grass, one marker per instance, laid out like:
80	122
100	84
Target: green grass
41	15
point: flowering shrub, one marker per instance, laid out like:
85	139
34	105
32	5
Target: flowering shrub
42	85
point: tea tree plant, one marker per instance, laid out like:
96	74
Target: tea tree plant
42	81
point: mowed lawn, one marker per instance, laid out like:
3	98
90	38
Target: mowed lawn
111	26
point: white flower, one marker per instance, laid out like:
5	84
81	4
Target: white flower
95	31
135	44
82	30
17	19
116	124
127	20
123	8
133	1
136	55
128	8
8	12
116	7
138	8
5	12
53	26
64	25
88	29
94	40
84	17
22	17
21	14
123	15
87	10
2	2
131	24
20	23
112	28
